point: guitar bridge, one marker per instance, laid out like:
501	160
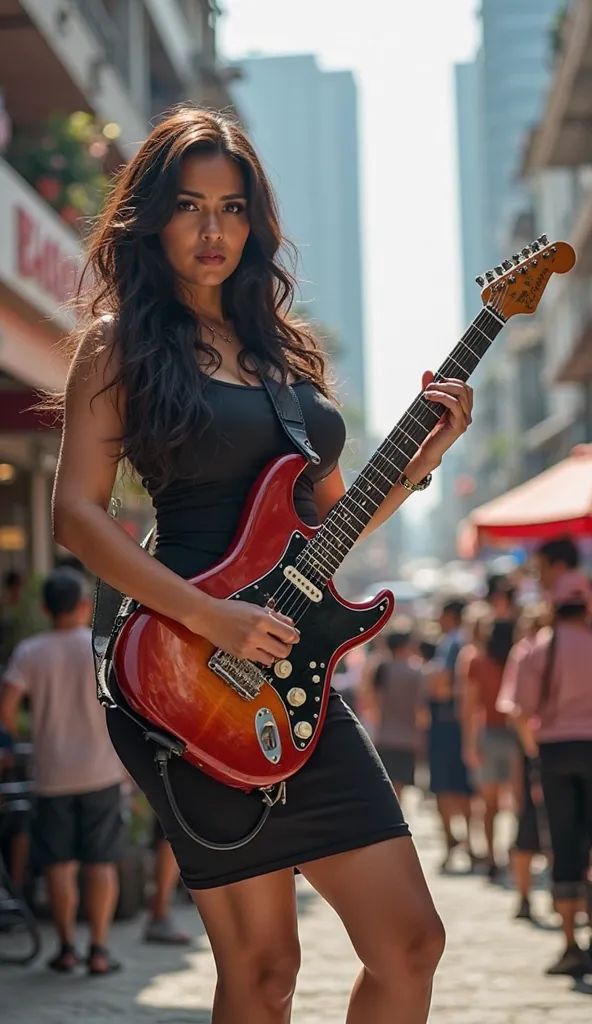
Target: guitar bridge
243	676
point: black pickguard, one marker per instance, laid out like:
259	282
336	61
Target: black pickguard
324	627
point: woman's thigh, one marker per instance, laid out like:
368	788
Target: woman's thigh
381	895
252	925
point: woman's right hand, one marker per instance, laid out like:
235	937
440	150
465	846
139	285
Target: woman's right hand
246	630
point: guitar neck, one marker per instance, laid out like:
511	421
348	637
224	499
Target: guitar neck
352	513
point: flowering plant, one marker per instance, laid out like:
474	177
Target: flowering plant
65	163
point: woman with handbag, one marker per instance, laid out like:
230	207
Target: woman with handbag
188	306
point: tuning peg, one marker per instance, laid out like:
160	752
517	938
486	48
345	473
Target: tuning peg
490	276
507	264
543	239
517	258
535	247
480	280
499	270
526	252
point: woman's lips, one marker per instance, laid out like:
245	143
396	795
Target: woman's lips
213	260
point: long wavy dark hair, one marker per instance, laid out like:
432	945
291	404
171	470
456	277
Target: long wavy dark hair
128	282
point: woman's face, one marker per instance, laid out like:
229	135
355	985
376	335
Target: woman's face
205	237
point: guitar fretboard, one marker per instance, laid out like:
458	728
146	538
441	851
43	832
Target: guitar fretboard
325	552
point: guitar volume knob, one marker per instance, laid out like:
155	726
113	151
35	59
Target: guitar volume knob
303	730
296	696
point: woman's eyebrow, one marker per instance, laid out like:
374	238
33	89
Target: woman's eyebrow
200	195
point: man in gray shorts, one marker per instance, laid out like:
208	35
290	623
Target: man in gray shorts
78	819
497	752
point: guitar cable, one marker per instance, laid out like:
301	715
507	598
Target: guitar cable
162	757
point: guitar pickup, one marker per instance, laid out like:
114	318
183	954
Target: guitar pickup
302	584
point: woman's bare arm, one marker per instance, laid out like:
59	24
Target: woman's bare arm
85	476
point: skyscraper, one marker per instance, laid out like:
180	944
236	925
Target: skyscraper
303	122
499	98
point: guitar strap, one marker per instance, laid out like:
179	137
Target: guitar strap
287	407
111	609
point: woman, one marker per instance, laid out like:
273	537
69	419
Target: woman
490	748
400	699
449	781
527	844
552	688
189	289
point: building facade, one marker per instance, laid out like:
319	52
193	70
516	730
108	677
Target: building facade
499	97
554	364
122	62
303	121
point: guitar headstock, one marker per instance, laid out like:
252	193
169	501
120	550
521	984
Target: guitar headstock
518	284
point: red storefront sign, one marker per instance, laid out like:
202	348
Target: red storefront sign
42	260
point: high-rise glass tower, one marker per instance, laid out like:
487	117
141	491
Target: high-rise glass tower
303	122
499	98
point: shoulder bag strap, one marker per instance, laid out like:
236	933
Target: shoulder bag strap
289	413
548	672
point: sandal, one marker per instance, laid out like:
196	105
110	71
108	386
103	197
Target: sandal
574	962
66	960
163	931
108	964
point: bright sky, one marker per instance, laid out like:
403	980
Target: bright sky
402	53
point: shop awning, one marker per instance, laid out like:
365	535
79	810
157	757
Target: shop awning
556	502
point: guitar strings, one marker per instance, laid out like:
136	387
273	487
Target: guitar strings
298	602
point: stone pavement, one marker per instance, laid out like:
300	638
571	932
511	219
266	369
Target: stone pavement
491	973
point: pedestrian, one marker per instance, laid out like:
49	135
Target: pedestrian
449	780
553	688
160	926
399	694
189	289
489	746
10	600
78	819
531	822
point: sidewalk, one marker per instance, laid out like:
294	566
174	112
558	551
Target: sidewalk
492	972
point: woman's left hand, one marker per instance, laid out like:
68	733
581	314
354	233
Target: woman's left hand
457	397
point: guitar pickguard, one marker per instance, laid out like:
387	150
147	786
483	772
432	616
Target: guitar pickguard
327	625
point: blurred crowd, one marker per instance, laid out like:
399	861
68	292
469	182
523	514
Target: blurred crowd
486	708
490	710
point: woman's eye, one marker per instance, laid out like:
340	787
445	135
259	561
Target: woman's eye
235	208
186	204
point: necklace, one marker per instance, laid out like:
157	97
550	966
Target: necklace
214	330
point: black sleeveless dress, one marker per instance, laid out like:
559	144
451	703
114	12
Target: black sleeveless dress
342	798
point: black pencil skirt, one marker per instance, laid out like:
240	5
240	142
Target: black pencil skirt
342	799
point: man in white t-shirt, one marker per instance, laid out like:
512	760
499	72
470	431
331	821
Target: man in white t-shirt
78	818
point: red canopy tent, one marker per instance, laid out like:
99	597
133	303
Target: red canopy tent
557	502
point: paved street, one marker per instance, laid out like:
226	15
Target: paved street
491	974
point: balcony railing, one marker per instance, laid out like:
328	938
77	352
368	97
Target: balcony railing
110	35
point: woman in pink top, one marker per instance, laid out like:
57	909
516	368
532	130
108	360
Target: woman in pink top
530	815
553	689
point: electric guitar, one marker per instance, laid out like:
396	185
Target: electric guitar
253	727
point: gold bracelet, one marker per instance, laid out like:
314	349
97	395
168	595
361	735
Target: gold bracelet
411	487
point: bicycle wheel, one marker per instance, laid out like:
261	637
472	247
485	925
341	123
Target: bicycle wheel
20	940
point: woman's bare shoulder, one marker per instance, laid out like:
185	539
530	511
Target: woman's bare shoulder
96	359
